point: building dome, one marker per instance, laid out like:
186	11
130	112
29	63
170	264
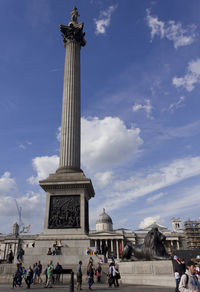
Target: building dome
104	222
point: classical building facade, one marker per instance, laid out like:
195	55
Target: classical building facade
105	237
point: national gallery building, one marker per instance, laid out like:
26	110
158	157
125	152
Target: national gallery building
105	237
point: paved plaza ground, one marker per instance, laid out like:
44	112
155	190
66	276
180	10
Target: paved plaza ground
95	287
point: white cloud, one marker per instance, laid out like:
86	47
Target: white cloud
191	77
31	204
148	221
43	165
175	172
180	36
171	30
147	107
126	191
33	207
104	20
58	134
22	146
107	142
7	184
184	131
157	26
102	179
187	202
177	104
155	197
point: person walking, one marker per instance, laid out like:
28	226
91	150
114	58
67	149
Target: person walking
79	276
90	275
58	269
50	275
35	273
117	275
99	272
177	271
29	278
45	272
17	278
111	275
24	272
39	272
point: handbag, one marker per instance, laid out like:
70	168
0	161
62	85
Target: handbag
110	280
118	276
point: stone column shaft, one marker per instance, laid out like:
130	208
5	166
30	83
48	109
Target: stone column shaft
117	246
70	128
111	245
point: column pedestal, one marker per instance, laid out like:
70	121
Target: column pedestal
67	203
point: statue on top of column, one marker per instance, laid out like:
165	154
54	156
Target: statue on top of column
74	30
75	15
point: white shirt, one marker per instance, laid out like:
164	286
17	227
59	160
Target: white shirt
177	276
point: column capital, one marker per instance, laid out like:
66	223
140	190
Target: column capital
73	31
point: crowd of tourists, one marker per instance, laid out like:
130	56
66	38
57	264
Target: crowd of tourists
187	275
113	274
32	275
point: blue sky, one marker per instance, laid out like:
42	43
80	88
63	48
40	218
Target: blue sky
140	82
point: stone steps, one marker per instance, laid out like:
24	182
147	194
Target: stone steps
69	256
44	251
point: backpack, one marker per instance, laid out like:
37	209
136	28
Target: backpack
187	279
88	269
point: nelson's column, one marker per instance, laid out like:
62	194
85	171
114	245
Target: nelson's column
68	190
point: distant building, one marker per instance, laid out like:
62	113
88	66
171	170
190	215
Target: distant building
106	240
177	225
192	233
104	237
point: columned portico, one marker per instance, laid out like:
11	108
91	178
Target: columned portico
113	241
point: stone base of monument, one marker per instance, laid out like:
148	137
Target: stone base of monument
6	273
71	252
157	273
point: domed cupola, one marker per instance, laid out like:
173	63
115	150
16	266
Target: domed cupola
104	222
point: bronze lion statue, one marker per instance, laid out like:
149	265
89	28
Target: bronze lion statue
152	249
127	251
